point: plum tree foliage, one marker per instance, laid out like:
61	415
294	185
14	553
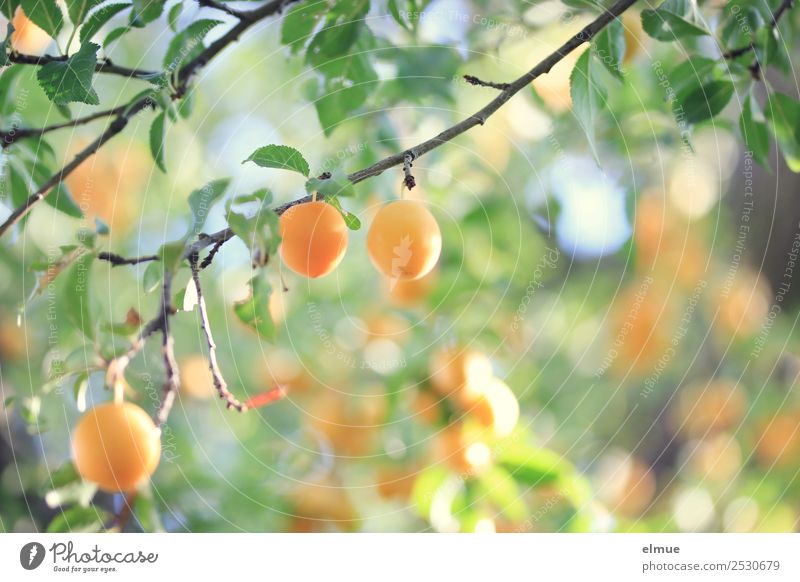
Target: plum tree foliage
682	65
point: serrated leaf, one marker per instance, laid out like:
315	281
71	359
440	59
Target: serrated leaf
157	141
703	102
8	8
254	311
754	130
78	9
78	519
783	115
201	201
280	157
609	46
337	185
60	197
100	18
187	44
670	21
44	13
588	97
71	80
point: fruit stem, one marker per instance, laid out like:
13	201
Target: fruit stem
119	392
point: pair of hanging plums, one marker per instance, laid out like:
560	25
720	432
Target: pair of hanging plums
404	240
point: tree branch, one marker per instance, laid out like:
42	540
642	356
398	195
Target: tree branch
216	374
247	19
220	6
782	9
473	80
117	260
10	136
102	66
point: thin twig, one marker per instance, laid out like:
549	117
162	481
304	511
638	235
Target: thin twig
122	517
473	80
102	66
408	161
211	254
782	9
10	136
216	374
172	381
117	260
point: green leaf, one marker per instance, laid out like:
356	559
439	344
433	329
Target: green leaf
77	519
261	232
348	81
100	18
71	80
8	8
146	11
281	157
703	102
66	486
115	34
350	219
174	15
670	21
6	45
532	466
343	25
609	47
146	510
754	130
588	97
152	276
337	185
78	9
201	201
157	141
188	43
60	197
300	22
74	297
46	14
254	311
783	115
394	10
690	73
171	255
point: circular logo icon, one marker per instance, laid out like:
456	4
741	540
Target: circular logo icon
31	555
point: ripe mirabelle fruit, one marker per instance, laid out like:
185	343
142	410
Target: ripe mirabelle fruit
493	405
196	380
27	37
709	407
779	441
320	503
404	240
314	238
116	446
454	370
396	482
